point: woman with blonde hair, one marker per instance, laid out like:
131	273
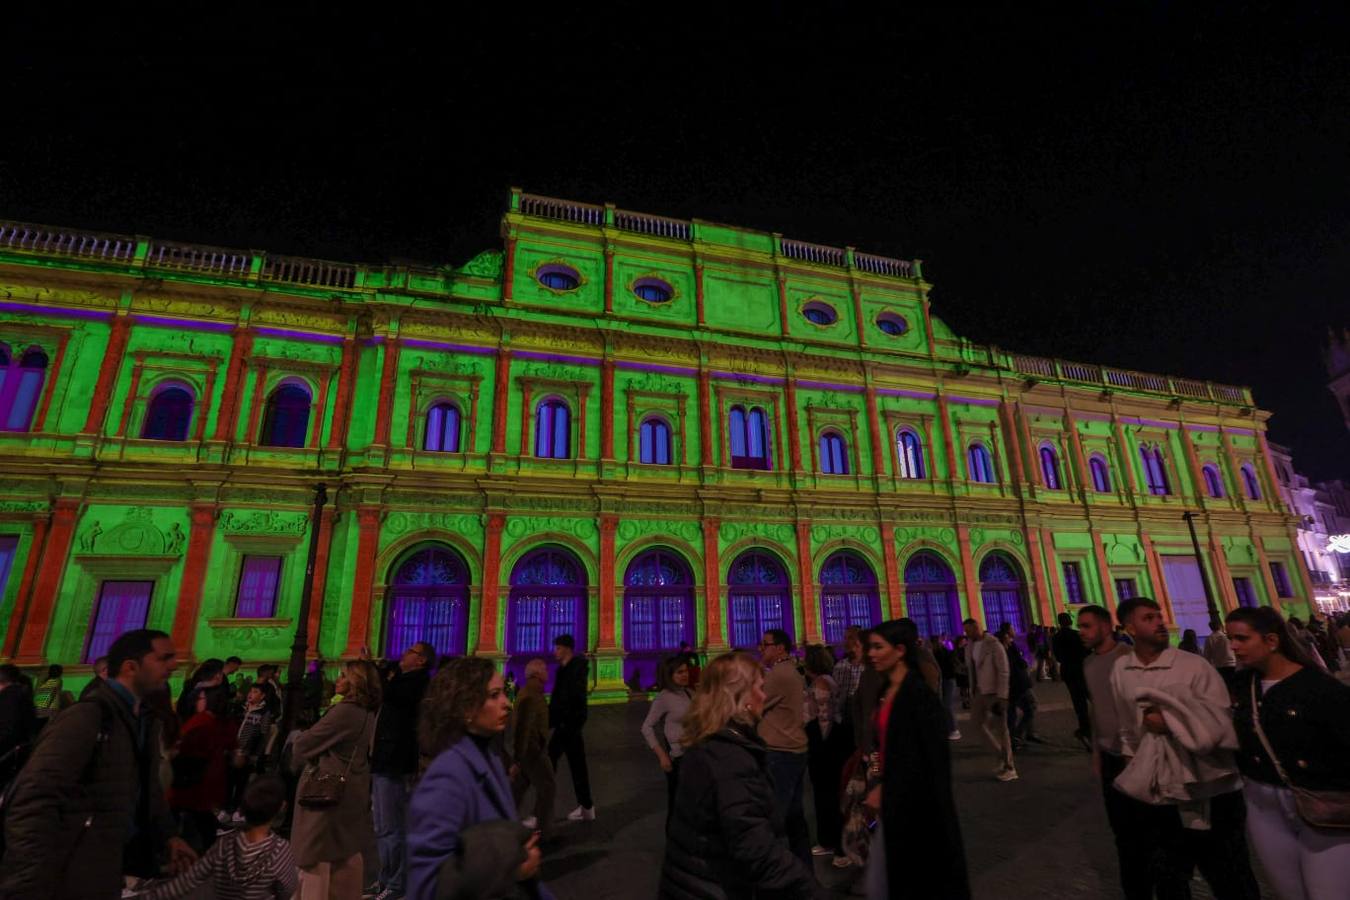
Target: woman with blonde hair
724	840
333	826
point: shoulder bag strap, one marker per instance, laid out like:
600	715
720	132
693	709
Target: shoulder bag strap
365	723
1261	734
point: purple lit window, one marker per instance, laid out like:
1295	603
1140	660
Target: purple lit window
1155	471
1250	483
442	434
654	442
658	611
548	598
9	546
1101	475
257	594
1246	593
1073	583
286	418
1003	593
833	454
428	601
930	595
848	595
819	314
910	451
1281	579
749	438
20	387
1050	467
979	464
1125	589
552	430
122	606
168	414
1213	482
759	598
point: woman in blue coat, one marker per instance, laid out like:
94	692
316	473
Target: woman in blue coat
464	837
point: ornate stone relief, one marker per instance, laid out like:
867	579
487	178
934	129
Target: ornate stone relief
264	521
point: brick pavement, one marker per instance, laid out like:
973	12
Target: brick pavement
1042	836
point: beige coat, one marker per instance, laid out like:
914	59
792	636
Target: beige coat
334	834
987	663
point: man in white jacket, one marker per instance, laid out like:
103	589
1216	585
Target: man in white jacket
1196	820
987	665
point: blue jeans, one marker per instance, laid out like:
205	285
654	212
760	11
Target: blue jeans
389	807
788	770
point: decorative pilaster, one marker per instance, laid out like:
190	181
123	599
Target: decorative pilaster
227	417
1103	572
255	406
1034	545
705	437
698	292
49	388
948	441
715	639
363	587
388	379
33	638
608	524
1079	460
320	579
501	395
491	602
509	268
1155	573
810	621
1005	416
783	304
1266	576
202	527
1193	466
894	594
609	279
1123	457
342	401
107	373
526	419
1052	576
1227	593
21	599
874	430
969	577
793	438
1272	486
130	402
607	410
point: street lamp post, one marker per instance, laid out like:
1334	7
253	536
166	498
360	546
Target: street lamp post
1200	561
295	673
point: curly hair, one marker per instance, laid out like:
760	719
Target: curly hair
457	692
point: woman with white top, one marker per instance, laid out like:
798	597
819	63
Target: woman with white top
667	714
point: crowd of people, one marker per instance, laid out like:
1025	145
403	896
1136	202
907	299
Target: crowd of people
1205	752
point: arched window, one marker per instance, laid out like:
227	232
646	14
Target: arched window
910	451
1003	593
833	454
20	387
1155	470
1213	481
654	442
548	599
442	433
168	414
552	430
286	420
658	610
1101	474
930	595
1050	467
848	595
1249	482
749	438
979	464
428	601
759	597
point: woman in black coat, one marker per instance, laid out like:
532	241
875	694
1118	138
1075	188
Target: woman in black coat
923	856
725	840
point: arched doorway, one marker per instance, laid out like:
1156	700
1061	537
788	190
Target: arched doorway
428	600
759	598
930	595
848	595
658	612
548	598
1003	592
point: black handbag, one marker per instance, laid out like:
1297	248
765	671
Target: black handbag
324	790
1320	809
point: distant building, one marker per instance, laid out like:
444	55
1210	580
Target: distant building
1323	511
1338	368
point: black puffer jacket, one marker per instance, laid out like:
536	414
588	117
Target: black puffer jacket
726	842
395	750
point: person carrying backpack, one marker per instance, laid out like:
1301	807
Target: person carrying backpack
87	808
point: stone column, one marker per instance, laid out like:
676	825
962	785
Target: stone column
202	528
969	577
342	401
1155	572
22	597
715	637
107	373
227	417
491	601
894	592
501	395
320	579
388	378
608	524
33	638
1104	573
807	576
367	546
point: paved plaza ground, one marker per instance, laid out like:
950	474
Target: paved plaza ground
1043	836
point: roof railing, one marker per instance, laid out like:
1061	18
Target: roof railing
67	242
562	210
819	254
1087	373
199	258
657	226
883	265
313	272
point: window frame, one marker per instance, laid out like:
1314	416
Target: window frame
1052	475
654	420
555	402
903	468
275	600
974	449
16	374
159	390
748	461
1097	464
268	424
437	404
1212	477
1075	593
829	441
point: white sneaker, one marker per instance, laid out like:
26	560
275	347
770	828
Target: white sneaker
818	850
582	814
1007	775
531	823
954	736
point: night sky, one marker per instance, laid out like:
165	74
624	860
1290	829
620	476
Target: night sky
1145	186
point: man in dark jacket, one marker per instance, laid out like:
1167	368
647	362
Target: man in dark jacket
393	763
566	716
1069	651
18	721
89	806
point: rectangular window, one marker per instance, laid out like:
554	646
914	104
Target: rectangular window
1125	589
257	594
122	606
1073	582
9	545
1281	579
1246	594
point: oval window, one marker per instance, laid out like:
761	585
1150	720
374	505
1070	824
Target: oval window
892	324
559	278
819	313
653	290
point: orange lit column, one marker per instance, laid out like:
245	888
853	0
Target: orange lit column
698	292
874	426
712	587
1104	573
1123	456
202	517
367	544
1266	575
974	608
793	439
811	627
1051	575
33	639
1272	487
342	401
256	405
107	373
501	395
509	266
54	375
22	597
607	409
783	304
948	442
609	279
1156	574
705	437
1019	474
526	418
491	601
320	580
608	524
1080	467
893	592
227	416
130	403
1192	465
1222	574
388	378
